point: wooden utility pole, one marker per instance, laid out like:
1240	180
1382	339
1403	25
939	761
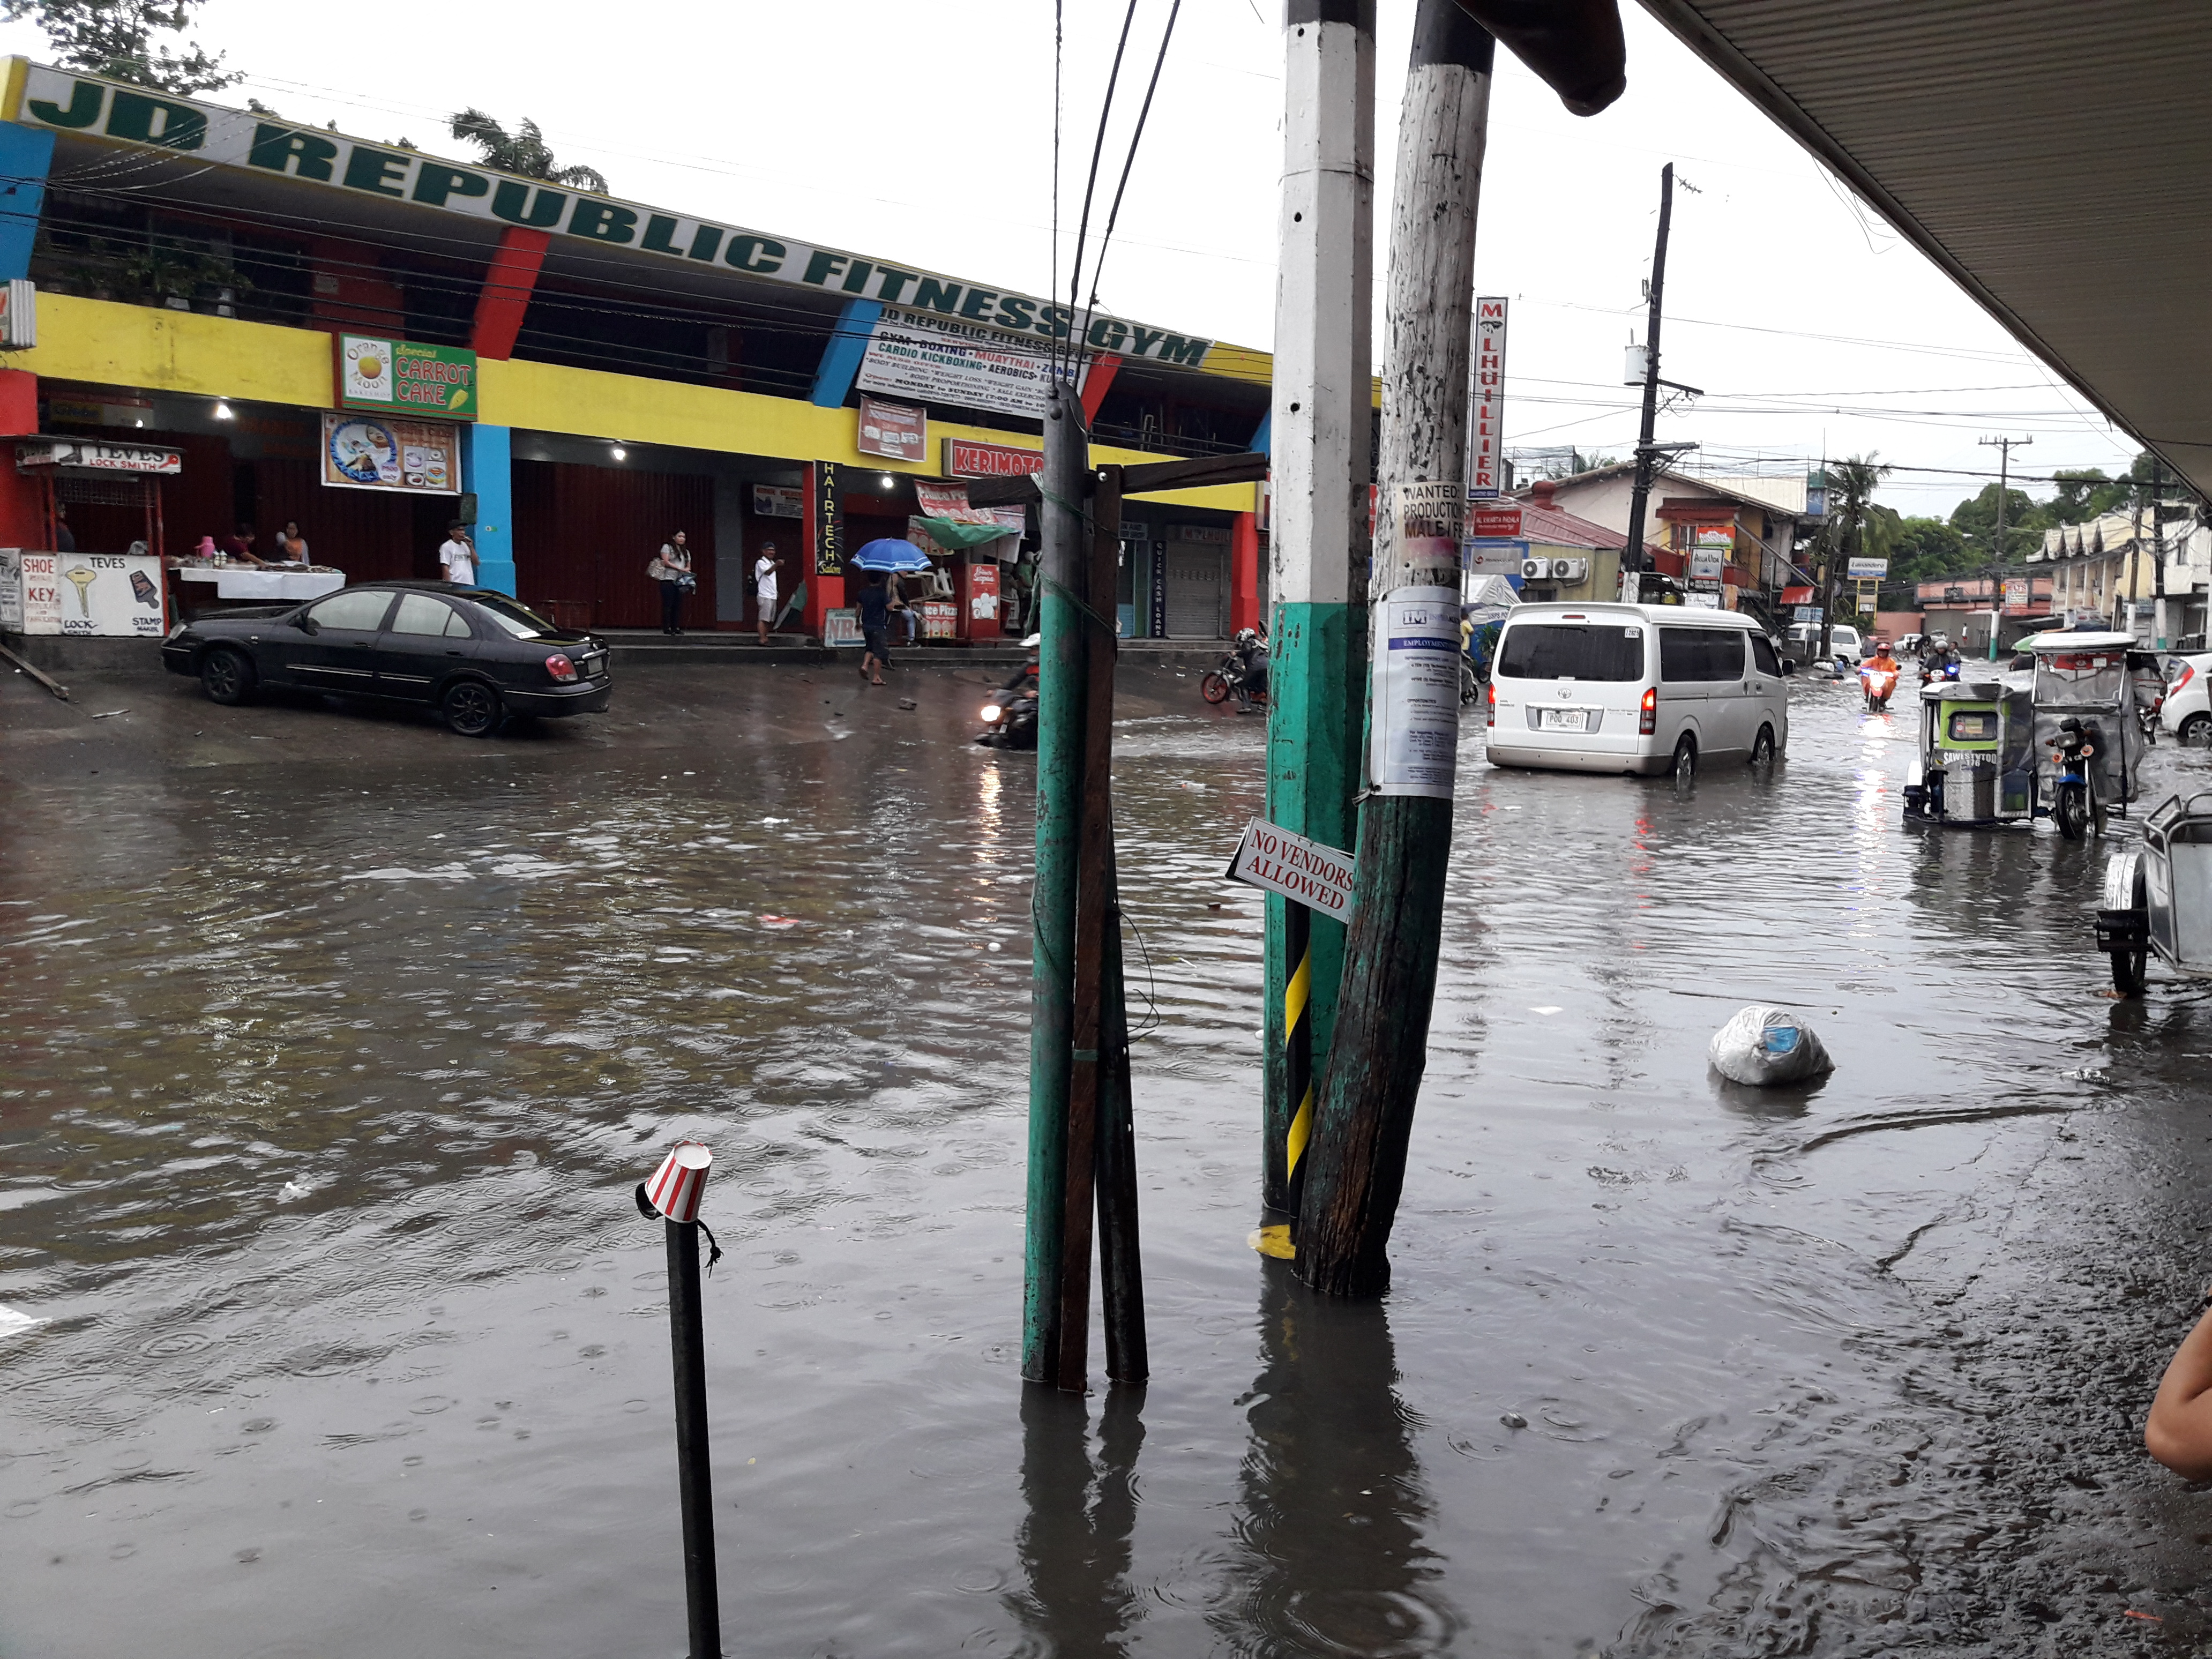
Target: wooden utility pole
1639	500
1322	430
1373	1071
2004	446
1052	903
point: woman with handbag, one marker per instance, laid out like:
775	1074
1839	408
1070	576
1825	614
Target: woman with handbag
671	568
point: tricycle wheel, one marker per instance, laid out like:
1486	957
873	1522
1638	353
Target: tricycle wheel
2128	972
2070	811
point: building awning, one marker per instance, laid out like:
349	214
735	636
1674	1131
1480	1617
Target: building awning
84	455
2053	156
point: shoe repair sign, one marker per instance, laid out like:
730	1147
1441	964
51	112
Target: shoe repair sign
1304	872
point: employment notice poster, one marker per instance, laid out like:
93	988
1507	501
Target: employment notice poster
939	361
1414	742
373	452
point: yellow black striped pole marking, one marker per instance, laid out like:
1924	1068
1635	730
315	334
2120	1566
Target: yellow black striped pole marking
1280	1240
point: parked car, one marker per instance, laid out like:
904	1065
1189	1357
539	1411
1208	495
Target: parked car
1844	644
1644	689
2187	711
473	654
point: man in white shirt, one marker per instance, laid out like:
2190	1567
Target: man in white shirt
457	557
764	586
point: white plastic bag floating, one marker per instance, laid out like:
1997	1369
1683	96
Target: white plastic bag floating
1765	1046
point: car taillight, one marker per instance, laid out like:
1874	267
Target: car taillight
560	667
2181	679
1646	717
1490	716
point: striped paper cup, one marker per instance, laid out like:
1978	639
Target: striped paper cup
676	1186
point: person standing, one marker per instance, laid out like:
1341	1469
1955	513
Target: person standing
457	555
65	538
671	568
291	543
877	604
765	570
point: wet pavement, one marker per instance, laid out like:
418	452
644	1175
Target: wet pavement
335	1043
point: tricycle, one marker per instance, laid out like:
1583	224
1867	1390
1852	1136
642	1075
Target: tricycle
2058	739
2158	896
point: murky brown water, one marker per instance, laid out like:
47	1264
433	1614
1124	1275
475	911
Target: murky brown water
335	1043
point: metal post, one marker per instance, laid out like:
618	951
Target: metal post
1322	444
701	1600
1052	901
1640	498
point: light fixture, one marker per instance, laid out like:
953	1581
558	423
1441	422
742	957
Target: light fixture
620	453
139	423
890	483
222	411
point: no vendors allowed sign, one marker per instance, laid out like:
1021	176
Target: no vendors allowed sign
1304	872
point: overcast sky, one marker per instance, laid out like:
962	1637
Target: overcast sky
924	134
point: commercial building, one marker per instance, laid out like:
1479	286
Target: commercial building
1735	536
369	342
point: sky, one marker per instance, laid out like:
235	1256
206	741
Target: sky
925	134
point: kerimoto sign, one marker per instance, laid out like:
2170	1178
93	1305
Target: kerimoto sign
212	136
1304	872
967	460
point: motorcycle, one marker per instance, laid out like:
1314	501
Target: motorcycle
1940	669
1878	683
1010	718
1219	684
2074	804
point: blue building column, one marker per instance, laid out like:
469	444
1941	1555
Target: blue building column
488	472
841	358
26	153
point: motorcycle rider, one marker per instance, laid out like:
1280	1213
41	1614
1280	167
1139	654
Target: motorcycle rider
1250	650
1878	673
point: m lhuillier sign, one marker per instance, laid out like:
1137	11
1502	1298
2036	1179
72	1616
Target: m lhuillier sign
1304	872
211	135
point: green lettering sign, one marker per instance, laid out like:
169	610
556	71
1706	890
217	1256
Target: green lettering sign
378	171
603	222
545	205
146	120
823	266
756	254
302	155
937	296
660	228
85	99
1176	349
437	183
977	308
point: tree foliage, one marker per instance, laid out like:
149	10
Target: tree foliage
120	40
524	151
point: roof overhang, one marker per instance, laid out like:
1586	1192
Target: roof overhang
2053	156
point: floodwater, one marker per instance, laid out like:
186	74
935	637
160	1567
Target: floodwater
334	1045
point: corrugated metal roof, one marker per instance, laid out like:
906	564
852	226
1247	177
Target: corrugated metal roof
2054	156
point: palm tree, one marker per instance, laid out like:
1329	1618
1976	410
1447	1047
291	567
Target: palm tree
524	151
1855	528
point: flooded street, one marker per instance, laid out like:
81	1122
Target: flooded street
335	1044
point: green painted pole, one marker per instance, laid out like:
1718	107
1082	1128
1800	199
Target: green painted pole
1321	442
1061	695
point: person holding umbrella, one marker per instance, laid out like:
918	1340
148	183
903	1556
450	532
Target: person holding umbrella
886	556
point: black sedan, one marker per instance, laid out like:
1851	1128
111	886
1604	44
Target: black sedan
474	654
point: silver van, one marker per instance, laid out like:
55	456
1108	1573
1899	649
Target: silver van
1648	689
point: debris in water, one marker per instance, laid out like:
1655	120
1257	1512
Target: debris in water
1513	1419
111	713
13	1319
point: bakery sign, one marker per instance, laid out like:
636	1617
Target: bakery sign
401	377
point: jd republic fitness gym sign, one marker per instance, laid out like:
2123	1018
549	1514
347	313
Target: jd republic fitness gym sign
58	100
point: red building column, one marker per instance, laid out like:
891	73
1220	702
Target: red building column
504	300
23	499
1244	573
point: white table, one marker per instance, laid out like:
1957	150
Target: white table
247	581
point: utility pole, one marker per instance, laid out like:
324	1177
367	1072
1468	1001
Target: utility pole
1632	555
1321	432
1372	1078
2157	568
2004	446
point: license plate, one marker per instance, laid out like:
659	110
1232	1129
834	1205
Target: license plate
1563	720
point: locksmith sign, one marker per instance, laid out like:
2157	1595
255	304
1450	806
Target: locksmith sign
208	135
1304	872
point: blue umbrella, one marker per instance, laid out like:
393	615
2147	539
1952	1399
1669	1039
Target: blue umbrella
890	553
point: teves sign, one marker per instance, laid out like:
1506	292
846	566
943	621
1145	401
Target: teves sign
211	135
1304	872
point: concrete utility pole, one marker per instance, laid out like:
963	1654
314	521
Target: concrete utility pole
2004	446
1373	1074
1321	428
1632	555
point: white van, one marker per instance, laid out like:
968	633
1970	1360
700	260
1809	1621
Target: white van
1649	689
